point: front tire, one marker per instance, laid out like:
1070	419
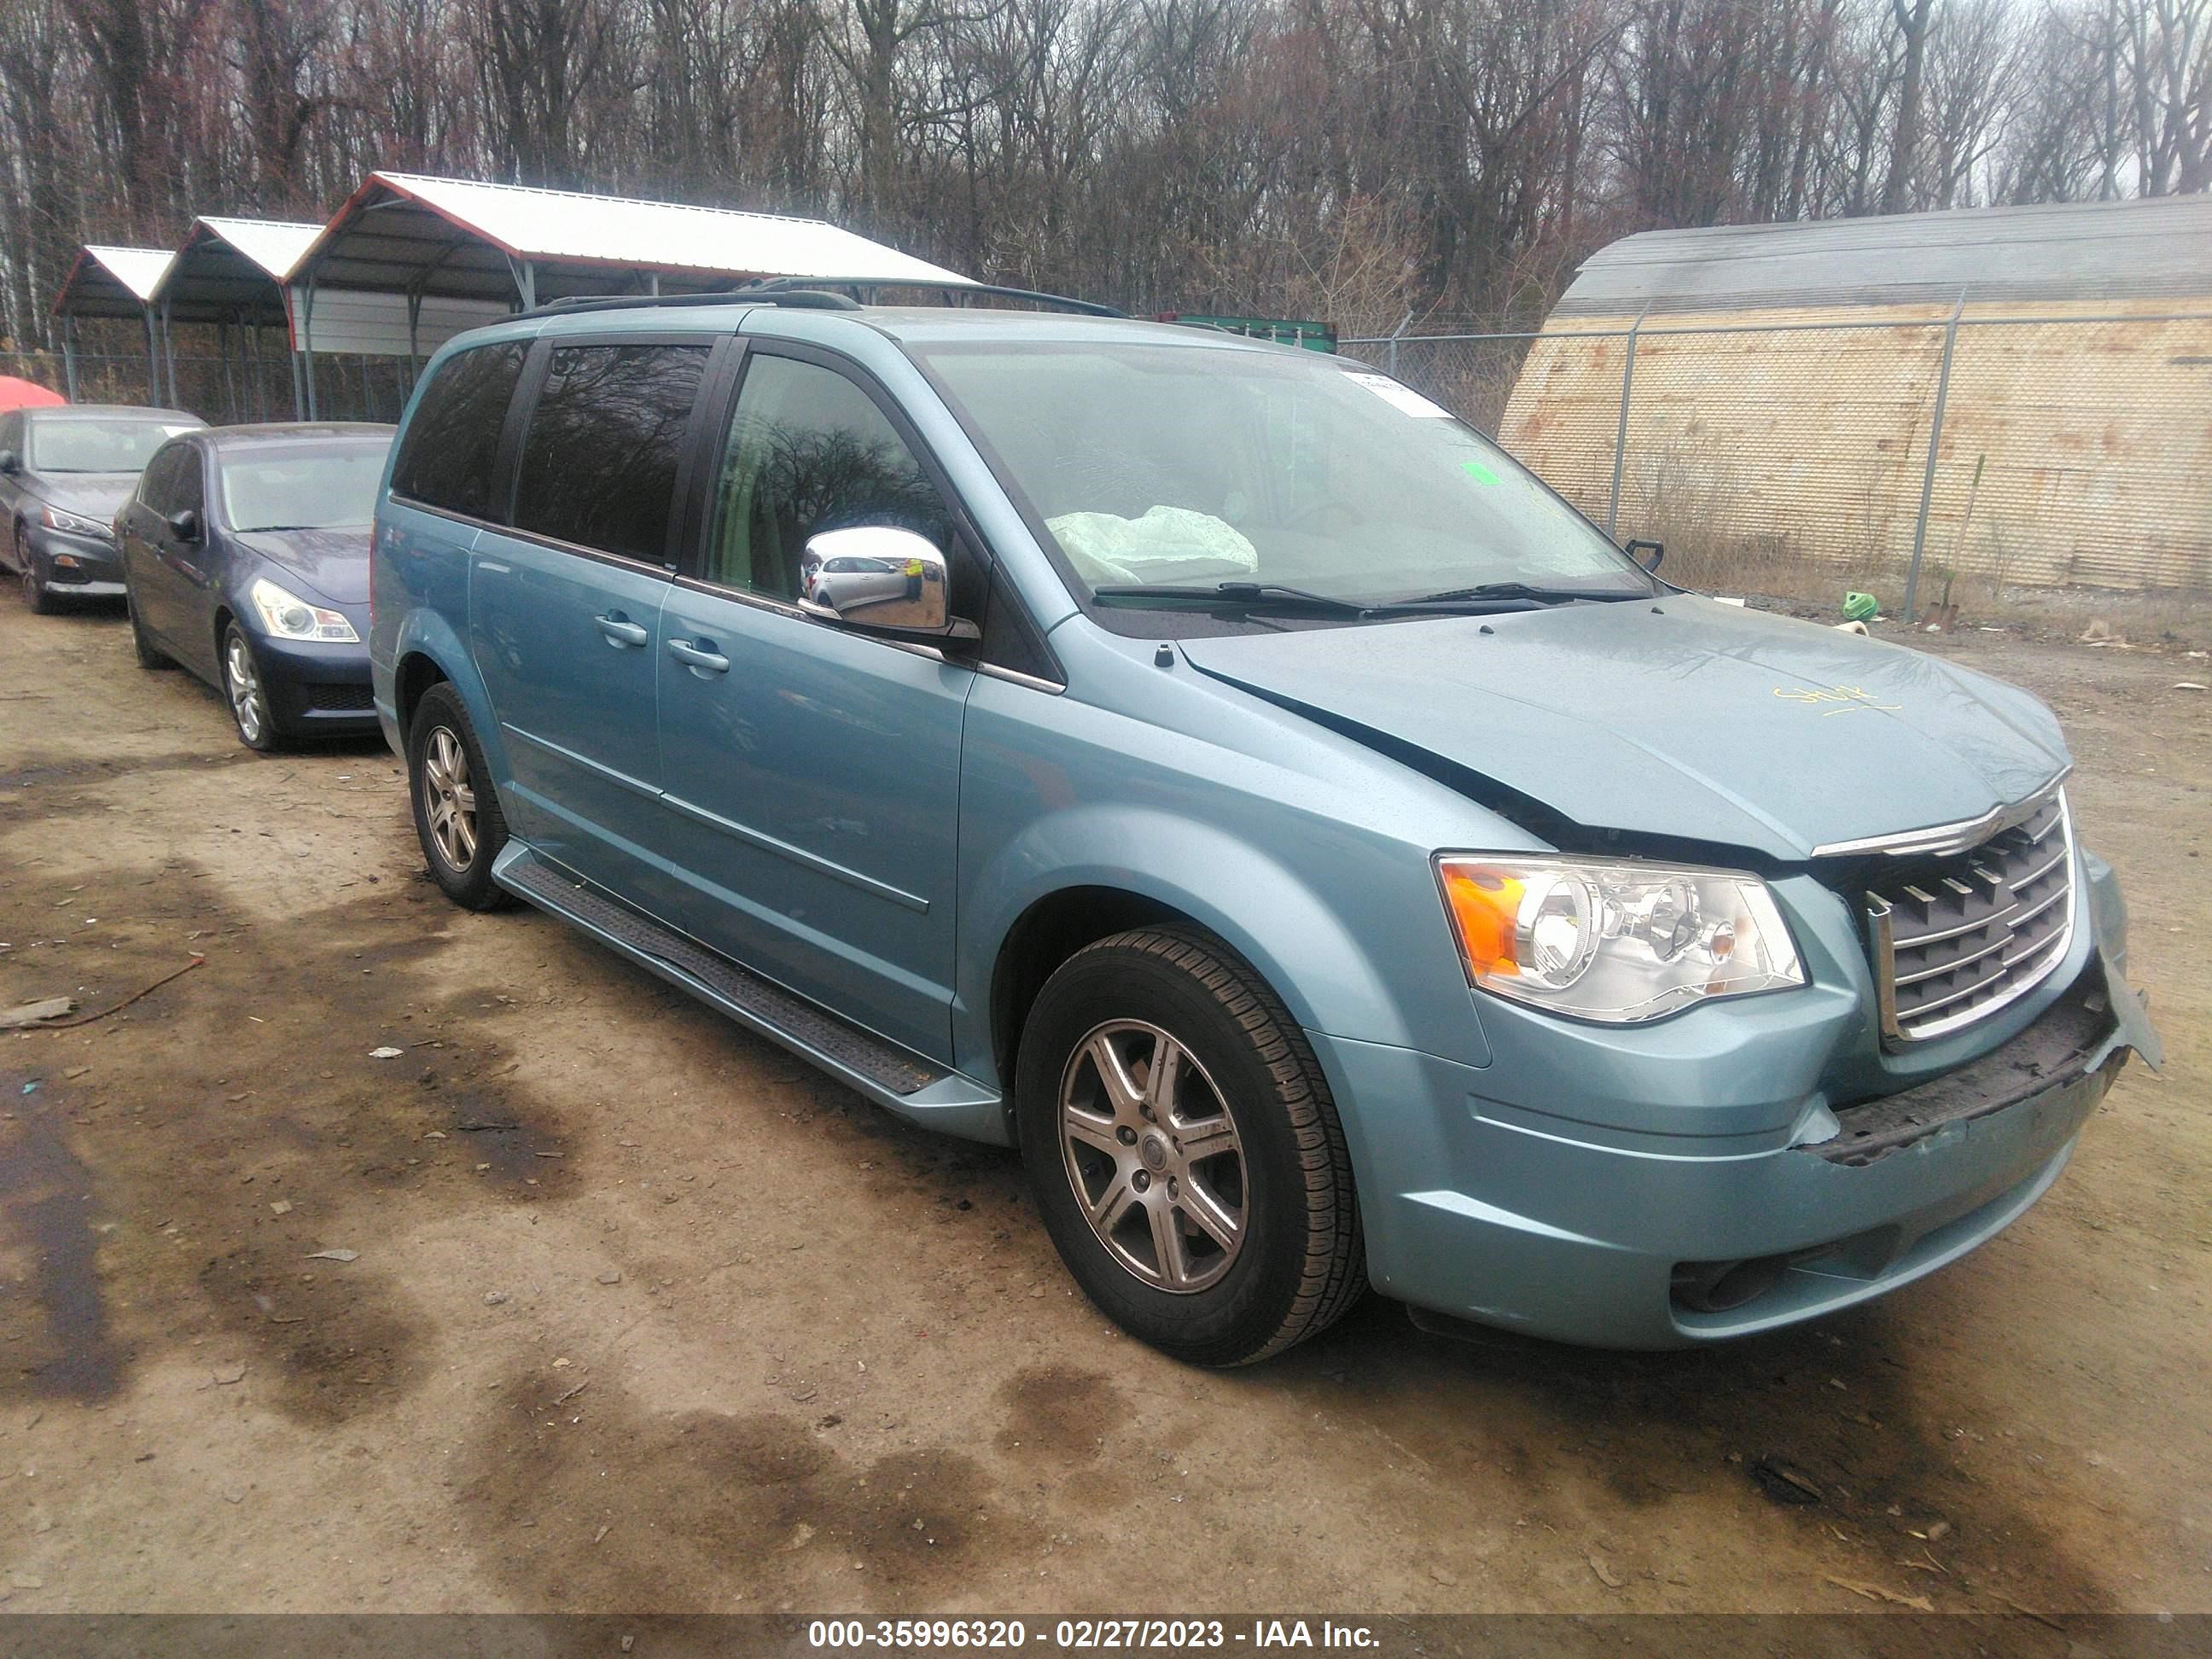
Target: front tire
1184	1151
248	694
35	597
456	813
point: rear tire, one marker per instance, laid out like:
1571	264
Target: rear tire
1203	1200
456	813
148	655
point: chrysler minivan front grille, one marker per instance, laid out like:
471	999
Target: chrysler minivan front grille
1958	938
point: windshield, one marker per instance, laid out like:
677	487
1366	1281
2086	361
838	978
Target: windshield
325	488
81	446
1163	464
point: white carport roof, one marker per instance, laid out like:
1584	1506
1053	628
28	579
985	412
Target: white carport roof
458	239
232	271
111	281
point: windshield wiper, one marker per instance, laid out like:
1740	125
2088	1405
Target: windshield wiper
1521	591
1240	594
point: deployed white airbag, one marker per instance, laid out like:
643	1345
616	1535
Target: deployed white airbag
1107	548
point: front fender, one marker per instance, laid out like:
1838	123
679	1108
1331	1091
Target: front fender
1257	905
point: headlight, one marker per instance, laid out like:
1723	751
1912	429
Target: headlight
76	525
1614	942
291	617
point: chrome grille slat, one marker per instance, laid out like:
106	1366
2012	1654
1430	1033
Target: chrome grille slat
2021	918
2027	953
1934	1004
1990	949
2014	887
2043	869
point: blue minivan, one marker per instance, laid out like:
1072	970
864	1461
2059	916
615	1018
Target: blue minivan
1214	770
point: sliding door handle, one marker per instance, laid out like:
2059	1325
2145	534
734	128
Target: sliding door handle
698	658
620	629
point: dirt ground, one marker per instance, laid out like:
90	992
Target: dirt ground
647	1317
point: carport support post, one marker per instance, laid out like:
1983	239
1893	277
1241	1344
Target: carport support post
1621	433
1928	477
229	386
169	355
308	342
69	355
153	360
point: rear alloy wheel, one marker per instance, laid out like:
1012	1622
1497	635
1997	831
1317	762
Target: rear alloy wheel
150	655
1184	1151
248	697
457	812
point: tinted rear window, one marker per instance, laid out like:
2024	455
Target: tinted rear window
445	458
598	464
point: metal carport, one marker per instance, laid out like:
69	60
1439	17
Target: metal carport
230	273
489	249
115	284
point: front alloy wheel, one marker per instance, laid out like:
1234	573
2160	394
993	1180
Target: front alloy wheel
34	591
1152	1151
241	685
1184	1151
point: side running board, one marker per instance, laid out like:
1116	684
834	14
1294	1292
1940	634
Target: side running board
910	1085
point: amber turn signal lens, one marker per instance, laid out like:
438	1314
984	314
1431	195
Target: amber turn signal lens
1486	907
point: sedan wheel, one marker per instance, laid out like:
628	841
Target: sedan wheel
34	591
242	684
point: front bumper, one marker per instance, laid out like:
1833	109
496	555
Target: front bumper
1481	1209
67	564
314	686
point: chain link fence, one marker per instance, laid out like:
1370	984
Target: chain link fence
1924	461
227	390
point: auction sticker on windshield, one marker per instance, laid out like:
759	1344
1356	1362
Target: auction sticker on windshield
1403	398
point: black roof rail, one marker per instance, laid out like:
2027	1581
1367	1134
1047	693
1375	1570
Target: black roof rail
774	287
795	299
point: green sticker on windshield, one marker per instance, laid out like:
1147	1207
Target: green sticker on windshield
1480	473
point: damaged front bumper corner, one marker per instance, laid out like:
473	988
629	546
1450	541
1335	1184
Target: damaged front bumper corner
2086	1033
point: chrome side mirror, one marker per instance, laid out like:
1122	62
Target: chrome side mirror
880	579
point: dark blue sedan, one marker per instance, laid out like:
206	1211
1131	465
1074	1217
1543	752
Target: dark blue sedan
246	556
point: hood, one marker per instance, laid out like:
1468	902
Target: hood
88	494
1679	718
334	563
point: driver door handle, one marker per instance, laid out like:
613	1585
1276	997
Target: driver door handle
702	662
619	629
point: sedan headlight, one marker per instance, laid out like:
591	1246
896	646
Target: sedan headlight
288	617
76	524
1615	942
